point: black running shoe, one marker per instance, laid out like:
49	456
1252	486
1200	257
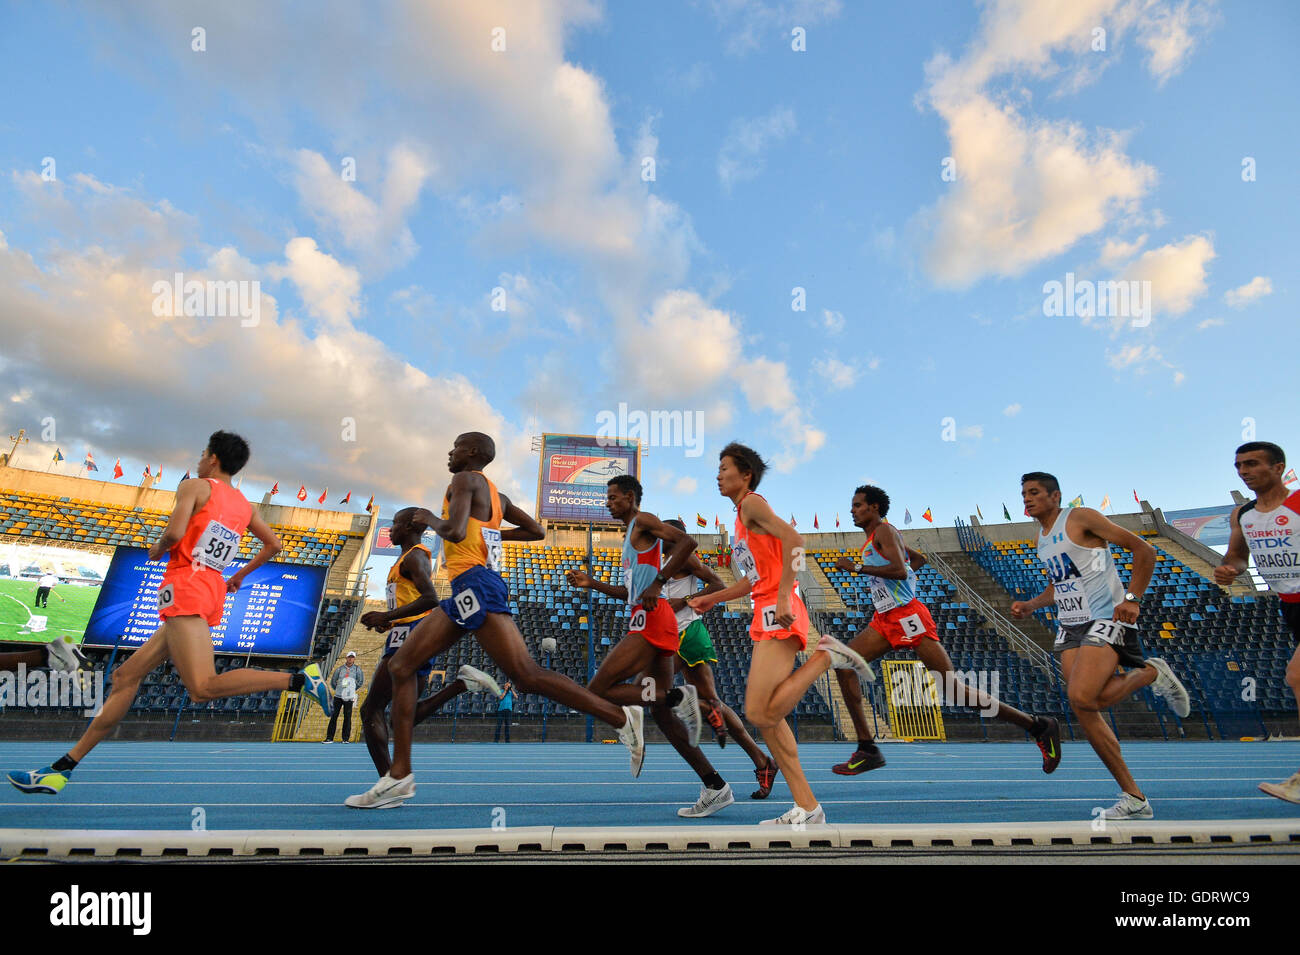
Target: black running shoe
1049	741
860	762
766	777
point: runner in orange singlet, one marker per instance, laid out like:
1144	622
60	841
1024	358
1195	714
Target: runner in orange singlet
200	541
766	554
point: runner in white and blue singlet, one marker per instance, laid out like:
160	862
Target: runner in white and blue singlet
1098	623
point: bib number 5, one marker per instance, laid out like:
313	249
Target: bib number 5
912	626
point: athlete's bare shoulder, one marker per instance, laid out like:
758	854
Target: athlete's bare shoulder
197	490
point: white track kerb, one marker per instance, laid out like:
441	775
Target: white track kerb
36	844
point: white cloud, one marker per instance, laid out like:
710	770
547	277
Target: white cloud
836	374
1134	356
971	431
1179	378
373	229
750	24
1011	410
1168	34
833	321
1210	323
741	156
1115	252
682	332
330	290
686	485
1029	188
115	375
1176	272
1243	295
766	385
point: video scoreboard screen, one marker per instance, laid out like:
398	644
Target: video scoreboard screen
273	614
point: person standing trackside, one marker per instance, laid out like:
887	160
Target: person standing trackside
43	587
505	711
347	680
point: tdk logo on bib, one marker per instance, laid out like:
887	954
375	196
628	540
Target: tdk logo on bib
222	532
1272	542
1066	588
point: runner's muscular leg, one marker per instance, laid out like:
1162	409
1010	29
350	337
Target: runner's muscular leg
633	655
872	645
504	644
937	661
189	644
126	683
1091	669
431	632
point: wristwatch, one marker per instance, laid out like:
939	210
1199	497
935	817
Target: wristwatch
859	568
660	578
1132	598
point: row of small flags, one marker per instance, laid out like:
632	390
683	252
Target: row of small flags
153	477
907	519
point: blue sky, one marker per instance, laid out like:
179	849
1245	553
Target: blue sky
774	169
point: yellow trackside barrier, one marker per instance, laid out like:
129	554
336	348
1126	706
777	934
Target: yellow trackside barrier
913	701
299	720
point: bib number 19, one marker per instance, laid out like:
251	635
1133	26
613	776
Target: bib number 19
467	604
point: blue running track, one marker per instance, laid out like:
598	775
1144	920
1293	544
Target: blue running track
129	785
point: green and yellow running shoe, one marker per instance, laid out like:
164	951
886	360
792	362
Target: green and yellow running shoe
43	781
317	688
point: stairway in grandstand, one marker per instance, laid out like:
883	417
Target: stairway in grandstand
984	584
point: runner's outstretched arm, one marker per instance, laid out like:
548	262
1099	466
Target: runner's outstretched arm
270	547
526	526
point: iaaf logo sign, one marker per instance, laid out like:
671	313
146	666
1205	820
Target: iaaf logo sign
41	688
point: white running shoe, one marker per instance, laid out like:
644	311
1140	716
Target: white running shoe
797	816
477	681
1129	807
710	801
688	711
844	657
388	793
1169	686
632	735
65	655
1288	789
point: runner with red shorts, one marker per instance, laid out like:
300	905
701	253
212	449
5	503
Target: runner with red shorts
650	647
201	540
766	554
901	621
